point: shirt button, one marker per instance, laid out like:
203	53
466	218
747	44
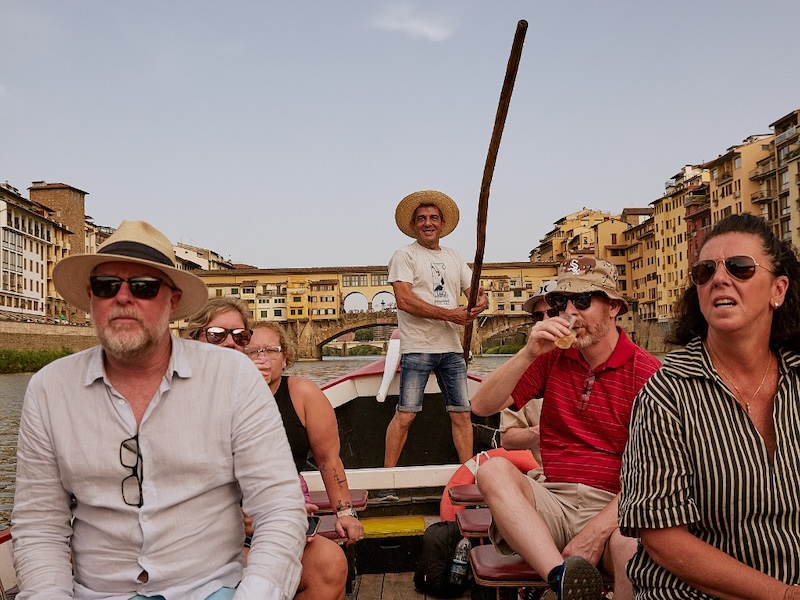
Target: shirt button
121	402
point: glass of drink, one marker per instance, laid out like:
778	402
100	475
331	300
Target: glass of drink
566	341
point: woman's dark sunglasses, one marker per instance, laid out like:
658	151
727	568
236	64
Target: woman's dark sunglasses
538	315
580	301
739	267
217	335
108	286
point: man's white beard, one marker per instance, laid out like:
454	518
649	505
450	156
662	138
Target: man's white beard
126	344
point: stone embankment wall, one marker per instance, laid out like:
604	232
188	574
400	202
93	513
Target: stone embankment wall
40	336
648	335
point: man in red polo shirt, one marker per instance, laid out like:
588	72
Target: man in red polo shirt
564	523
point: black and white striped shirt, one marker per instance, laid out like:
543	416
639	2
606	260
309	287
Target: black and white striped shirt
694	458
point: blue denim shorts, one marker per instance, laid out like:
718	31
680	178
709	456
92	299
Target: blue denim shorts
451	373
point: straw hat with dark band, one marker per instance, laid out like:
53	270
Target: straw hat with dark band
133	242
404	213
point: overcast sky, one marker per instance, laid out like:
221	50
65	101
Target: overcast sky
283	134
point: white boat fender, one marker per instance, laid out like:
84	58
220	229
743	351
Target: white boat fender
390	366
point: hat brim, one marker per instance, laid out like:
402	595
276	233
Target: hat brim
71	280
404	213
575	285
549	286
531	302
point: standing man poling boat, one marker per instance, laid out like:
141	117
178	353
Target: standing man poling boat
428	279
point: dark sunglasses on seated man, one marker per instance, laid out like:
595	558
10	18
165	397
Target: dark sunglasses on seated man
580	301
217	335
538	315
741	267
108	286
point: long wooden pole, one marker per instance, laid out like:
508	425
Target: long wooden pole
488	170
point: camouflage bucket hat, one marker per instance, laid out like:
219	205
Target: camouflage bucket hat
589	274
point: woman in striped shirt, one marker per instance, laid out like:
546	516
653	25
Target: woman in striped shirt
711	473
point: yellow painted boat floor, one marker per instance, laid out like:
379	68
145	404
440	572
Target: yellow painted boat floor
396	526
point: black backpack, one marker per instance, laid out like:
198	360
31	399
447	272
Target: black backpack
433	569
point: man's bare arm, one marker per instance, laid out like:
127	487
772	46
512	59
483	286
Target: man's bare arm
494	393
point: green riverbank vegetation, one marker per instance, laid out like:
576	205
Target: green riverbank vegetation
504	349
28	361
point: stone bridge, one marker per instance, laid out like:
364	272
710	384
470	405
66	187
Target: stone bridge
311	336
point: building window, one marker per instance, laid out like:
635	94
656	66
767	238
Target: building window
354	280
379	279
234	291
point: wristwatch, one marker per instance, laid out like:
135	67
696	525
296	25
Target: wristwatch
346	512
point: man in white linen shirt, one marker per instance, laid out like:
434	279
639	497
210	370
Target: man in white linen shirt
133	456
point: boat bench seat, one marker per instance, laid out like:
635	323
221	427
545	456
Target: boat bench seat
492	569
474	522
358	498
466	494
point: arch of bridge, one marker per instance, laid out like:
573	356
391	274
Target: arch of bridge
310	336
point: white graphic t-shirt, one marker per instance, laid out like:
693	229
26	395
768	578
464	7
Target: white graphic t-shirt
437	277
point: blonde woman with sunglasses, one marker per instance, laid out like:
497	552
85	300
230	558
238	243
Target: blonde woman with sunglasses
710	475
225	321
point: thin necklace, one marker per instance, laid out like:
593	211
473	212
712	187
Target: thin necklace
736	387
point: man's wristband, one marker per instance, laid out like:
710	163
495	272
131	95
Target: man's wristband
346	512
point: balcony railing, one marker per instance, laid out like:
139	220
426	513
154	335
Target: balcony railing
764	170
761	196
794	152
723	178
789	133
695	198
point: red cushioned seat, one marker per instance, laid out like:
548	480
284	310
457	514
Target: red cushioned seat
357	497
466	494
474	522
495	570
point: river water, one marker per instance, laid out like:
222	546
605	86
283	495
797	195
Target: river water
12	390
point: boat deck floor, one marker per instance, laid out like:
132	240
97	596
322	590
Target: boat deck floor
389	586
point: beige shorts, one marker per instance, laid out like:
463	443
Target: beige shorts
566	508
